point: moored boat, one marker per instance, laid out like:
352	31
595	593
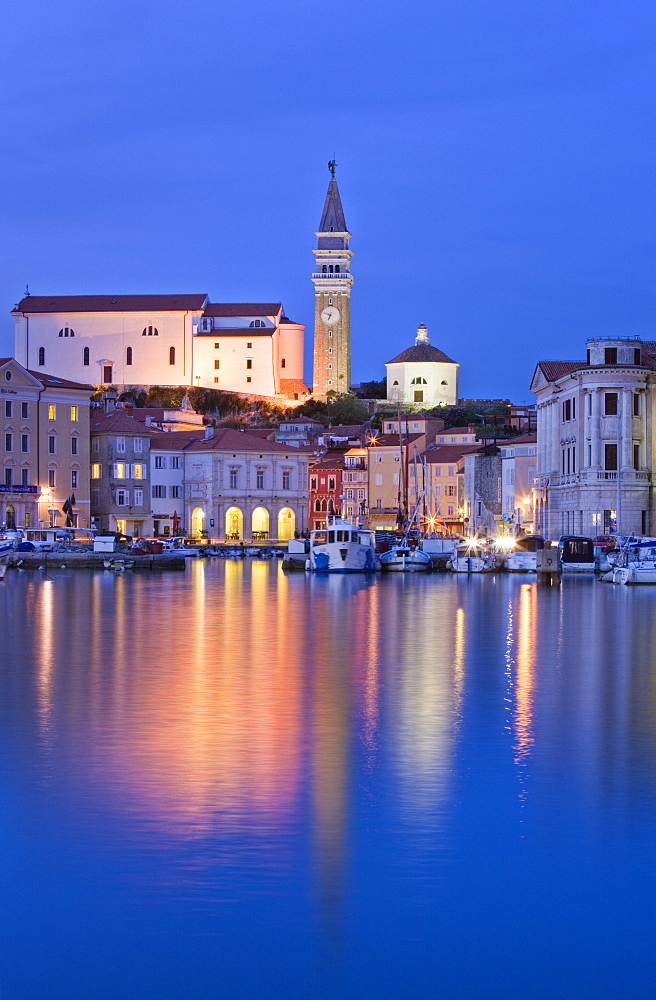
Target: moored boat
405	558
522	557
342	547
469	557
577	554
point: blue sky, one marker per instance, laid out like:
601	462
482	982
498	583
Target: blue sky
496	164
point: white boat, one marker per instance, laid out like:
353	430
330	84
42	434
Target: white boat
577	554
342	547
469	557
405	558
522	557
9	539
635	564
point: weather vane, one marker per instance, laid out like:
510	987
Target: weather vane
332	165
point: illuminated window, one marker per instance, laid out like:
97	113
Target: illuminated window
217	364
120	469
138	471
216	378
74	413
52	411
96	470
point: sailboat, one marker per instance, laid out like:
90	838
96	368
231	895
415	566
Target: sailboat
406	557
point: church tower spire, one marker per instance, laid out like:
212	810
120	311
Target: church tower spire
332	282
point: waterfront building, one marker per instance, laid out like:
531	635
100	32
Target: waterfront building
595	460
518	466
45	448
325	478
301	433
441	474
355	484
229	484
144	340
332	280
120	472
482	490
458	435
422	375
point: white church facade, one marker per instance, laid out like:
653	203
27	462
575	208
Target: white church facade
126	340
422	375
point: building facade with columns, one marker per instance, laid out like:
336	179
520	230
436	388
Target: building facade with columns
595	460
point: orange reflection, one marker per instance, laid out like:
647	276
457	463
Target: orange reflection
525	675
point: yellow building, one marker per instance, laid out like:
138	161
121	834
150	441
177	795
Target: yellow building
45	448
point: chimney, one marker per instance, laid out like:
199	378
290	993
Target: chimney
109	401
149	421
209	432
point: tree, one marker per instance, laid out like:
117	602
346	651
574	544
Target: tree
347	409
373	390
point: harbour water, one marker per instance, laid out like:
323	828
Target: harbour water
239	784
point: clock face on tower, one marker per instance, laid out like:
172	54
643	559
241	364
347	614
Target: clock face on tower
330	315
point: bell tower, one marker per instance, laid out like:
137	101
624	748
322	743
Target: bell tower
332	282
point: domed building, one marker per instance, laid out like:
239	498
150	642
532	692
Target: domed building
422	375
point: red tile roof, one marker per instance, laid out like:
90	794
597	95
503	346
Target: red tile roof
175	440
110	303
553	370
448	453
229	439
289	386
392	440
522	439
243	309
116	422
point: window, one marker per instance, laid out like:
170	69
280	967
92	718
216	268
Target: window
216	378
567	409
25	443
449	510
74	445
122	498
159	461
96	470
610	404
286	476
636	456
256	323
249	346
313	483
610	457
637	356
120	444
25	481
588	356
216	347
331	483
74	414
233	478
66	331
52	445
419	381
260	479
85	356
636	404
138	444
51	479
217	364
249	363
74	479
174	462
248	378
138	471
7	477
317	505
610	355
95	498
120	470
150	331
450	490
174	492
42	356
330	366
95	444
52	411
159	492
171	355
128	355
9	407
378	479
25	411
282	363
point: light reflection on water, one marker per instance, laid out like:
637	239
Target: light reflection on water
365	755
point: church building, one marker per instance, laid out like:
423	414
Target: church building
422	375
121	340
332	282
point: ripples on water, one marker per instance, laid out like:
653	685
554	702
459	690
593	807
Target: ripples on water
236	783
